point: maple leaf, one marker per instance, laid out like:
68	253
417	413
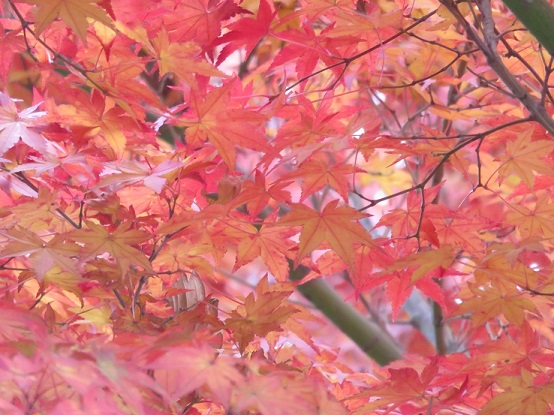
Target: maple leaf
52	261
500	269
18	324
507	356
523	157
415	270
125	173
423	262
257	194
8	181
99	114
307	49
333	224
461	228
36	214
182	59
306	130
186	368
365	260
278	394
270	243
185	256
489	302
404	385
200	20
323	87
533	222
74	165
246	32
73	12
405	223
316	174
524	394
42	255
99	240
15	125
259	316
213	117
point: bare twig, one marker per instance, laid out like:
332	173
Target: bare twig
347	61
488	47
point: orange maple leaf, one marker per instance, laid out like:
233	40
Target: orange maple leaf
523	394
118	243
489	302
183	59
523	157
213	117
267	242
260	316
45	257
460	228
533	222
99	115
423	262
73	12
316	174
336	225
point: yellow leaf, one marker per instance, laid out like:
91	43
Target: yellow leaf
427	261
523	157
98	240
73	12
535	222
521	397
489	302
183	59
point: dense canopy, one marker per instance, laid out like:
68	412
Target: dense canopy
276	207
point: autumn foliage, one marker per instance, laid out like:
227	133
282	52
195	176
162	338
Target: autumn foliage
174	174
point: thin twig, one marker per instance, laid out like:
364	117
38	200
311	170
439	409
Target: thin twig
68	62
537	111
24	179
347	61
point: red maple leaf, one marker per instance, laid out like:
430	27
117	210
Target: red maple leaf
216	118
246	32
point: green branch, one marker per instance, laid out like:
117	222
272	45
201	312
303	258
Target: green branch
371	338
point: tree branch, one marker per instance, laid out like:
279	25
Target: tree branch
366	334
537	16
488	47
